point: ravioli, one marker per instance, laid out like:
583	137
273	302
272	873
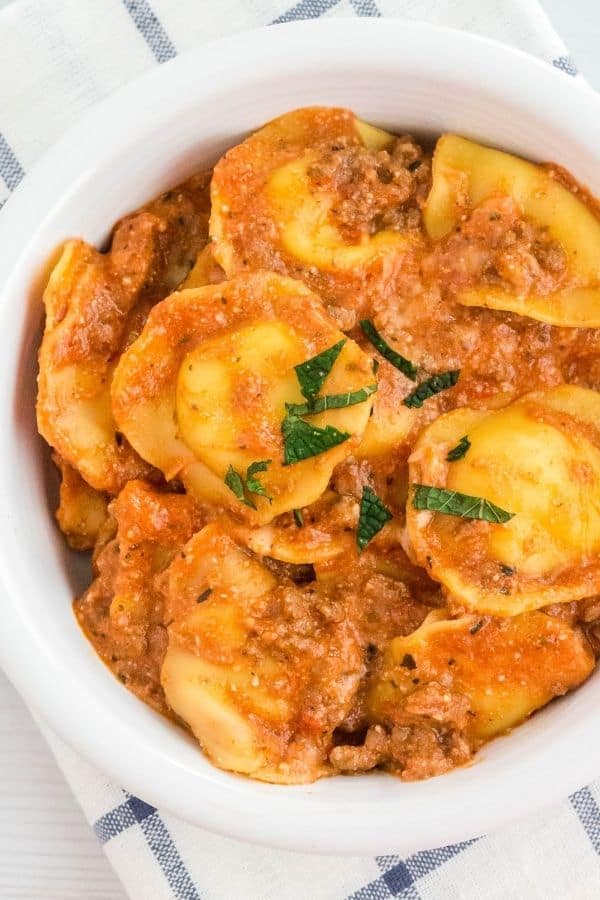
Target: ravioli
206	270
315	541
392	425
203	391
95	305
122	611
279	200
538	459
261	696
82	511
490	674
307	419
466	174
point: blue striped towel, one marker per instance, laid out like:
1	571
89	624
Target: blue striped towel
80	50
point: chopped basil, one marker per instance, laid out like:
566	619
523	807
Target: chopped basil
301	440
252	482
506	570
372	517
476	627
396	359
431	386
460	450
239	485
312	373
330	401
235	483
452	503
204	595
298	518
408	661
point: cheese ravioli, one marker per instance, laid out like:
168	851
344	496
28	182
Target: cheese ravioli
466	174
252	661
320	195
96	304
328	419
538	459
203	391
490	674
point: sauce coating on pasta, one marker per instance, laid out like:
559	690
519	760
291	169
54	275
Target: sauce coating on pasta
327	418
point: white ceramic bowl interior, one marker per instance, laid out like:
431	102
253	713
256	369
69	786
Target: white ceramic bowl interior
146	137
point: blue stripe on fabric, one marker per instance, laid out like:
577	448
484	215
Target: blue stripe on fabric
588	811
166	854
398	879
114	823
427	860
134	811
306	9
147	23
131	812
365	7
376	890
140	809
400	876
565	64
11	170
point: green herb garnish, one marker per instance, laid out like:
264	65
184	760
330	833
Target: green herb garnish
252	482
396	359
372	517
312	373
235	483
431	386
452	503
204	595
330	401
301	440
460	450
298	517
239	486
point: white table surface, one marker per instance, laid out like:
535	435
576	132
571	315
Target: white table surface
47	851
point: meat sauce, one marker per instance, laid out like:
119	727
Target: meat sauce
346	694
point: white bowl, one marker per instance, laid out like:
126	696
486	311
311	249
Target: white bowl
150	135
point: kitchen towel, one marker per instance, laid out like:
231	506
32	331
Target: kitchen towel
57	57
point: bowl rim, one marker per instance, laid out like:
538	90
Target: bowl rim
285	818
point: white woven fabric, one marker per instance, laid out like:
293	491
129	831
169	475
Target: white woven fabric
80	50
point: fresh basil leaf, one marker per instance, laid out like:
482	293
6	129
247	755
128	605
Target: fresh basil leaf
396	359
460	450
452	503
299	518
252	483
431	386
372	517
330	401
312	373
301	440
235	483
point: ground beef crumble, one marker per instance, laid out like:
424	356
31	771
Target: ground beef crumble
377	190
